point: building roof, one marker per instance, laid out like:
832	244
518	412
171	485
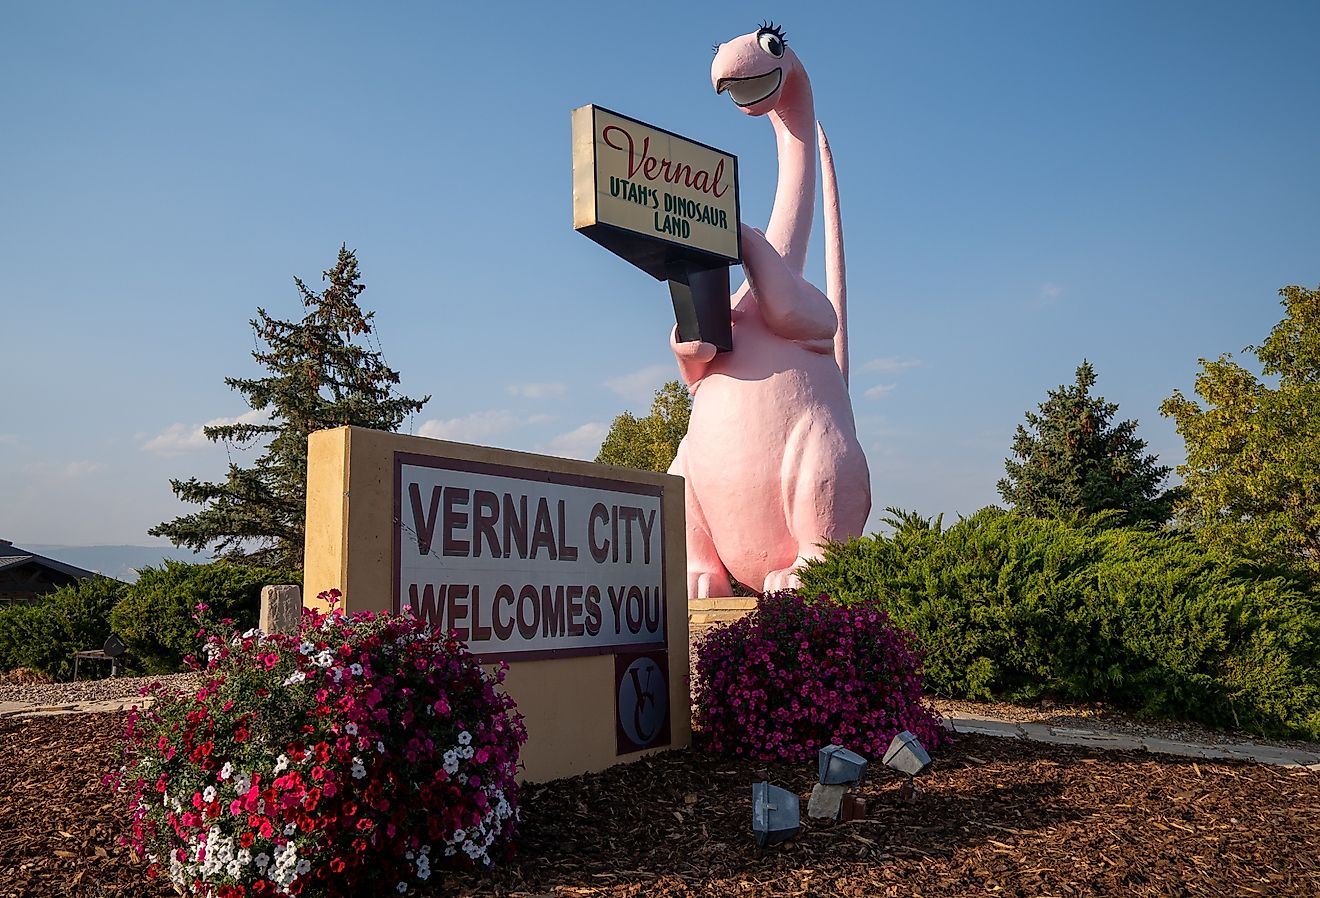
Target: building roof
11	556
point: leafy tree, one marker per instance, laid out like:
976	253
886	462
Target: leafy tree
1074	462
321	375
1253	451
649	443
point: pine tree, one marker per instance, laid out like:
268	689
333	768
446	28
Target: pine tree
1073	461
321	375
649	443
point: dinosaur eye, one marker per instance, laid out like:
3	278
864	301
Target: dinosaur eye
771	43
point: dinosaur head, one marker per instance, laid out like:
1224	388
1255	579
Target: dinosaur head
756	69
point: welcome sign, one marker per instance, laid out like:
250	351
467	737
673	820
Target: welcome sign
525	563
572	572
651	196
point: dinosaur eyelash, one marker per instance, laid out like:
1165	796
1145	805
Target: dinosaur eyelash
772	28
714	48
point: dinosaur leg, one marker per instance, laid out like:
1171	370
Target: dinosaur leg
705	572
827	494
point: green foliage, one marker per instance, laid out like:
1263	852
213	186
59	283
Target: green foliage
1073	461
44	635
1253	451
155	616
1017	608
322	374
649	443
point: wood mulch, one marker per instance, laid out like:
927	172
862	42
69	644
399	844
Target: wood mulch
995	816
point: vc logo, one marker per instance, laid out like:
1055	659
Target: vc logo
643	704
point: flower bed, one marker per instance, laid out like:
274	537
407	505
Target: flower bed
795	675
359	751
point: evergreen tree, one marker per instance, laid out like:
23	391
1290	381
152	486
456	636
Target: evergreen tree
321	375
649	443
1073	461
1253	453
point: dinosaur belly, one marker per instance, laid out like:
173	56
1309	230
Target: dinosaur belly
772	455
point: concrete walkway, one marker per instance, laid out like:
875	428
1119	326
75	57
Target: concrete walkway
101	706
960	722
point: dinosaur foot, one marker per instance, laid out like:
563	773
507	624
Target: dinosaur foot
784	579
708	585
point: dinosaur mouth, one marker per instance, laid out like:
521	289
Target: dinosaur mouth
750	91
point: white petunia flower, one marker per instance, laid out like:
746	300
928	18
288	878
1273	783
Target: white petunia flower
281	764
351	728
295	678
356	668
464	737
208	794
226	771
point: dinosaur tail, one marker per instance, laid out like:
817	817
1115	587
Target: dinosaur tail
836	287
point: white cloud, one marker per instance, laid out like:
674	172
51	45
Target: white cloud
890	363
72	470
879	391
470	428
640	386
1049	293
178	438
581	442
8	439
538	391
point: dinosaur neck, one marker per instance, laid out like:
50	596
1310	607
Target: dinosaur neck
794	120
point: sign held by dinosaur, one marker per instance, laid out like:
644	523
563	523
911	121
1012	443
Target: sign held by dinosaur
667	204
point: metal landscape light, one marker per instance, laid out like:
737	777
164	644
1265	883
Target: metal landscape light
906	755
839	765
840	769
775	814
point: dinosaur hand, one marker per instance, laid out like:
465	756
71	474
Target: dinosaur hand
692	350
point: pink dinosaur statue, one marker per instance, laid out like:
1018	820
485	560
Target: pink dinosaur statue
771	458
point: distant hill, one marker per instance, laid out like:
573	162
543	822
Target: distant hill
120	562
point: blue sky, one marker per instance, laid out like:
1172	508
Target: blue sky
1023	185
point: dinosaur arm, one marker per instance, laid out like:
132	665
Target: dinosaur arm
791	307
693	356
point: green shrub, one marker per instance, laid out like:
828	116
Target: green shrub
1017	608
45	634
154	618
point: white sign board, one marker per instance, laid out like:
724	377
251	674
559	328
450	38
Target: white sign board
525	563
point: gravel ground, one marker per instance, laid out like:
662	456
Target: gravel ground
44	694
